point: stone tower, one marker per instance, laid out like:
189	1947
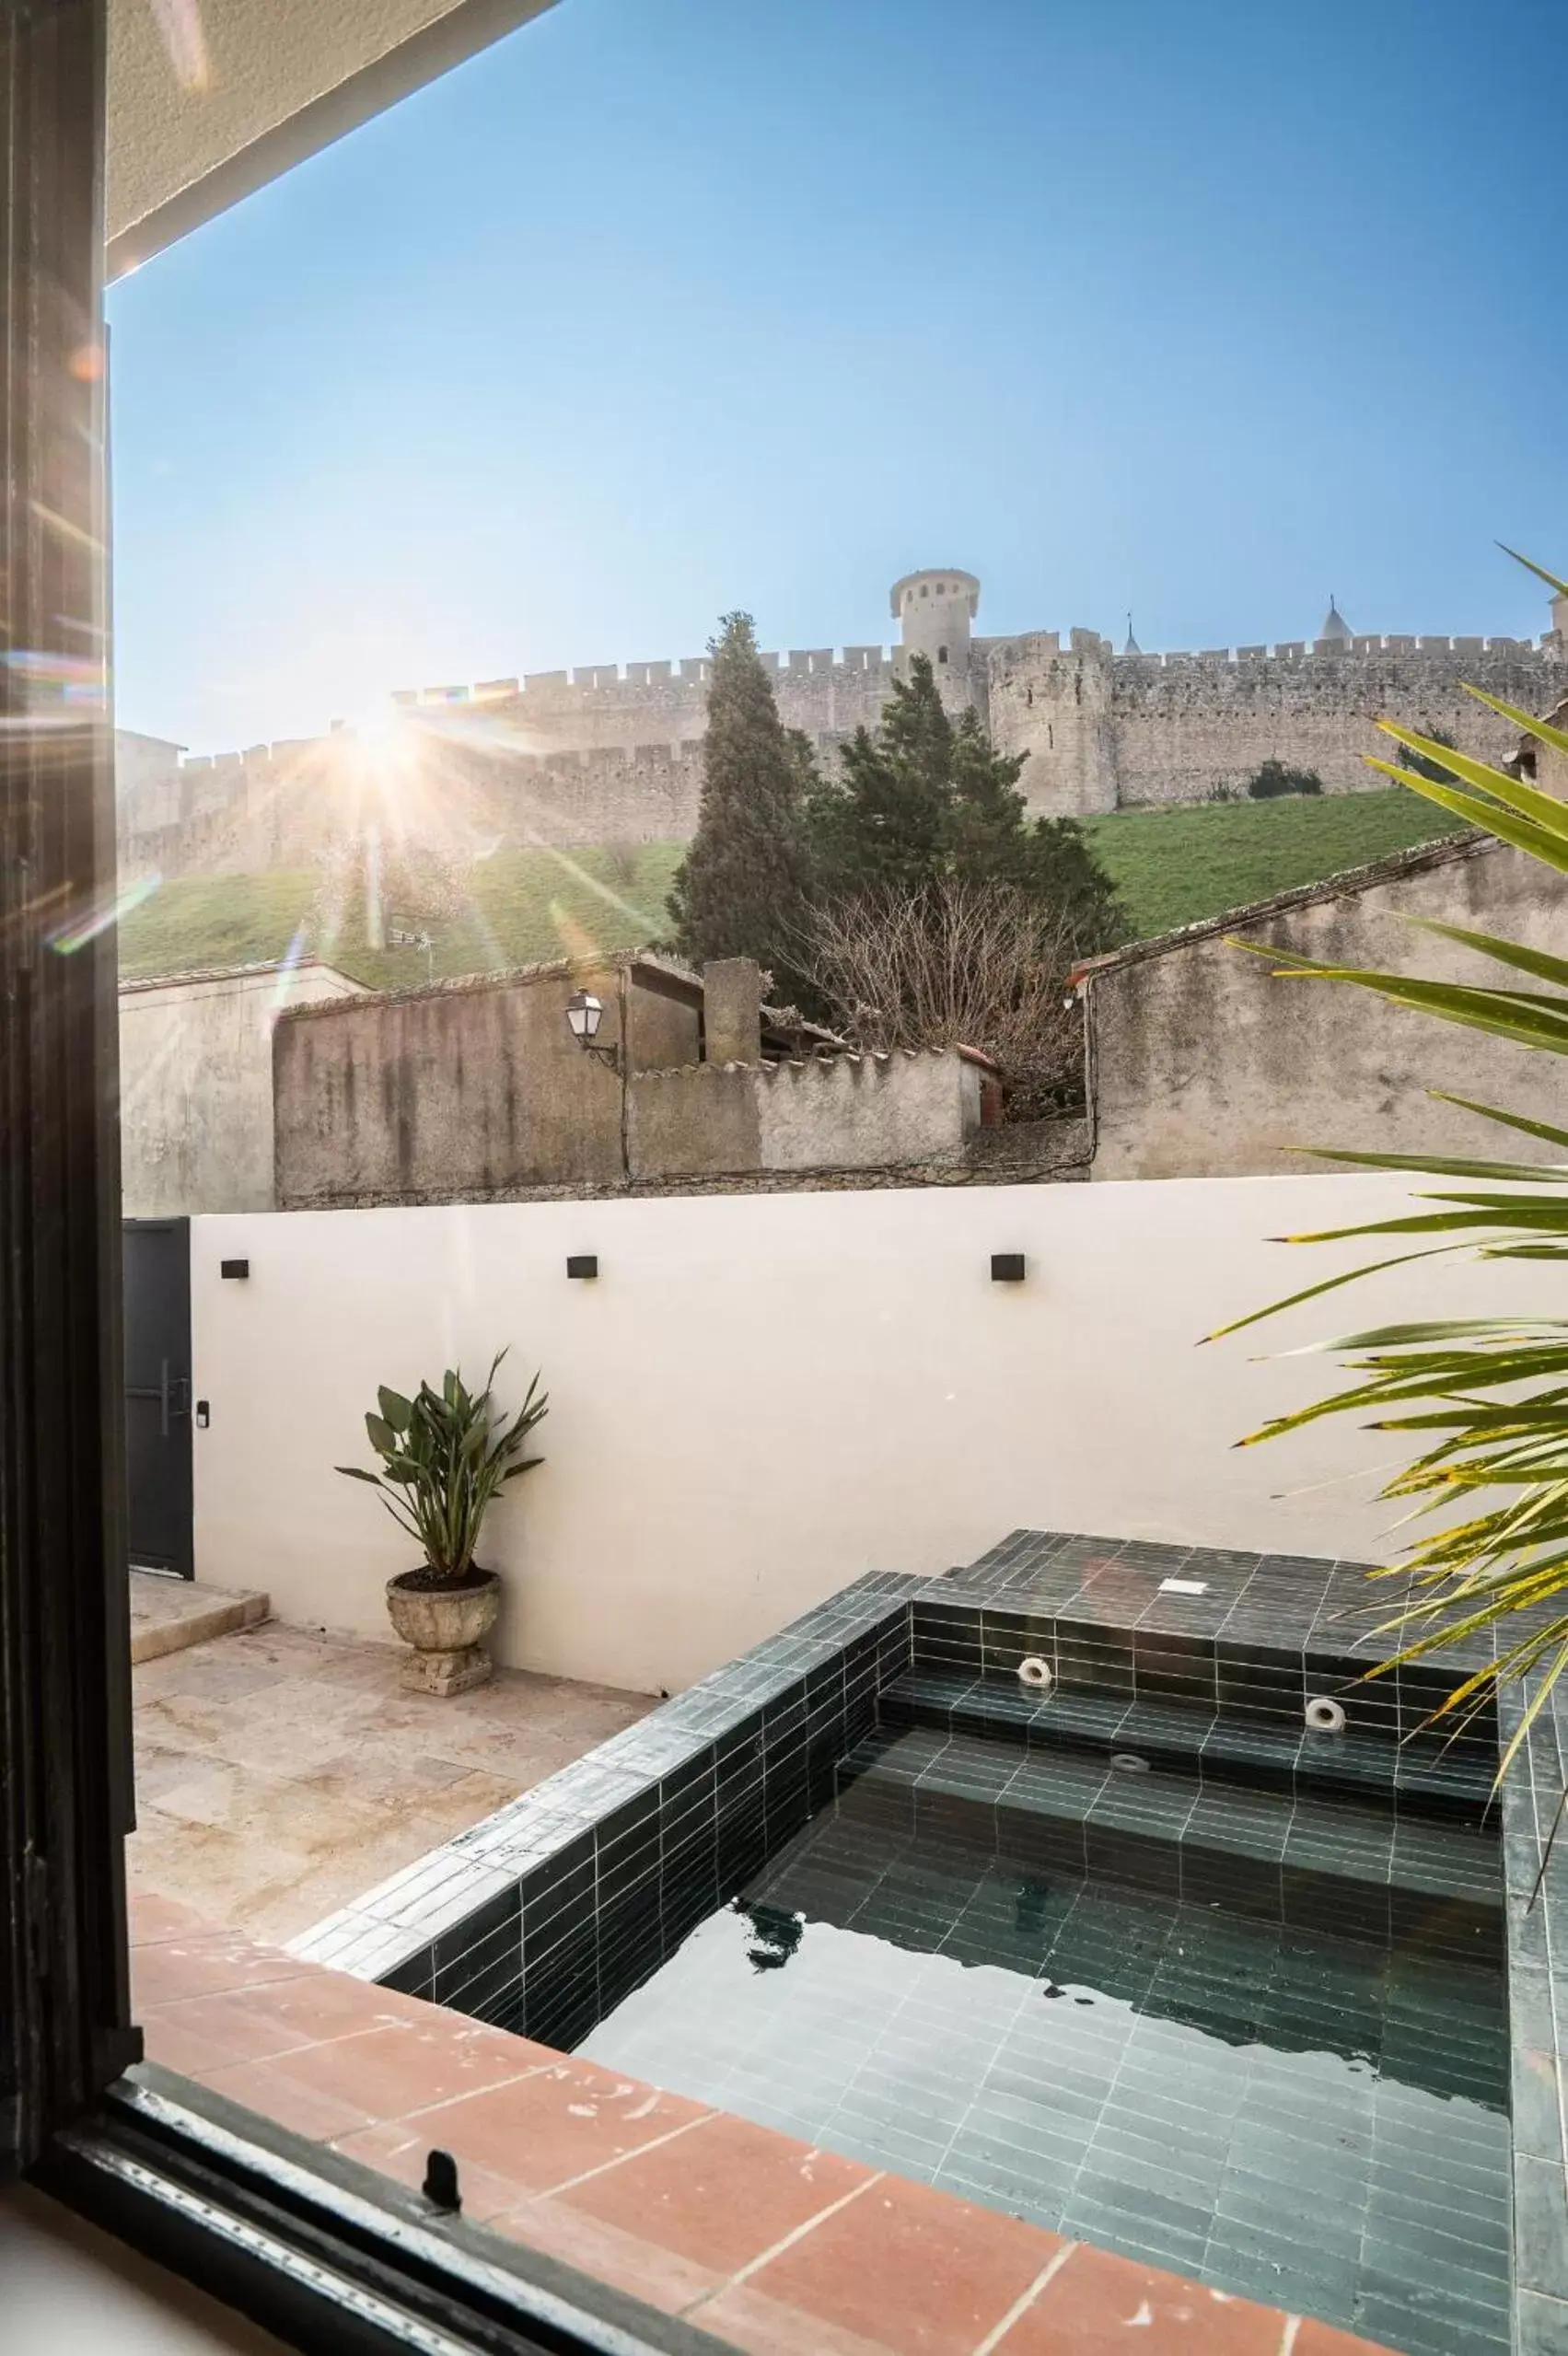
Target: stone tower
934	612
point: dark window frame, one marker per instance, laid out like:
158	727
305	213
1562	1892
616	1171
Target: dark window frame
326	2255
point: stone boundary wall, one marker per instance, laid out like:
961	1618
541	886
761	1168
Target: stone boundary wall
846	1112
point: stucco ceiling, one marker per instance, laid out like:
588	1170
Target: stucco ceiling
209	99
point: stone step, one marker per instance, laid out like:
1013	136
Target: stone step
1421	1776
170	1615
1319	1863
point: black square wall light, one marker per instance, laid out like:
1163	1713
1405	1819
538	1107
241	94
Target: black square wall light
240	1268
583	1263
1006	1267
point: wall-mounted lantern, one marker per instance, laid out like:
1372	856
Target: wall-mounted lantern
584	1013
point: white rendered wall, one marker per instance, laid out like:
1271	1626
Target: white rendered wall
763	1396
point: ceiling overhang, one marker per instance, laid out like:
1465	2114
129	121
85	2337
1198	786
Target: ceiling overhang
209	99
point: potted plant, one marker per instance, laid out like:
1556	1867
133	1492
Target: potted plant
444	1454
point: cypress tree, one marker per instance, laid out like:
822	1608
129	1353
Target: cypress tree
884	827
740	890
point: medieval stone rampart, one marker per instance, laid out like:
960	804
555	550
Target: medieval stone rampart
608	753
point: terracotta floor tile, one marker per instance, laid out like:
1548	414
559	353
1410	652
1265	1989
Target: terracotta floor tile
400	2068
720	2195
646	2270
556	2125
212	2033
1315	2339
927	2273
1099	2305
154	1918
211	1965
764	2328
315	2004
398	2148
287	2091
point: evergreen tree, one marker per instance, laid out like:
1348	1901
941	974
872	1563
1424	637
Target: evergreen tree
924	801
741	888
885	827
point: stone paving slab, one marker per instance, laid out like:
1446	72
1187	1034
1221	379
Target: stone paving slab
280	1772
171	1614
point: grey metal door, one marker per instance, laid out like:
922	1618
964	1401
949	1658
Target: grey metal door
158	1395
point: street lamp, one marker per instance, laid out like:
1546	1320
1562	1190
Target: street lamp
584	1015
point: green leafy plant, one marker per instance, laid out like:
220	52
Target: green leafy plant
445	1455
1274	779
1484	1400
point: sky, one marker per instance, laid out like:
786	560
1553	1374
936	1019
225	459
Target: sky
1206	308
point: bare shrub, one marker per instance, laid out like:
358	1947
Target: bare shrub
622	863
950	965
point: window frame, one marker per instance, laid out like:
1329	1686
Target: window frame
326	2255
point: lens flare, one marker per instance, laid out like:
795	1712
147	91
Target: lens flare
49	677
179	22
288	968
81	927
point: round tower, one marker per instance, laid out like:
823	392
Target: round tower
934	612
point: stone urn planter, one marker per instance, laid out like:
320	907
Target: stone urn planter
446	1455
445	1627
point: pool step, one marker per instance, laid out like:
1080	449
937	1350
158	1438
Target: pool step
1321	1864
1419	1778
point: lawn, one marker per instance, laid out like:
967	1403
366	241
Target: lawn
1179	865
1171	867
527	905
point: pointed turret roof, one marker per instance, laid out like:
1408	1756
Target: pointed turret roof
1335	626
1131	647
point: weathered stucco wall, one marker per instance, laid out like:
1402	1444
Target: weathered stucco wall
196	1087
1202	1063
762	1396
469	1088
852	1113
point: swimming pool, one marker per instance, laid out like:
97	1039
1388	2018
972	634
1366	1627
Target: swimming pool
1137	1948
1127	2041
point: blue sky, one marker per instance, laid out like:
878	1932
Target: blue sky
662	307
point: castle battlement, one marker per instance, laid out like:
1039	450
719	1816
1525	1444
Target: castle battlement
607	679
1550	648
607	752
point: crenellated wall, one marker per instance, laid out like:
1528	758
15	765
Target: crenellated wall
607	752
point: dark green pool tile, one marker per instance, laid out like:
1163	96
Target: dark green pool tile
1542	2326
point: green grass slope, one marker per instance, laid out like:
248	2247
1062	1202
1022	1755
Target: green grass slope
1179	865
1170	868
527	905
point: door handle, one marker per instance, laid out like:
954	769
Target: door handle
163	1398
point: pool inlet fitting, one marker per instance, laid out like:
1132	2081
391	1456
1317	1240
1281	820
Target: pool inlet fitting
1035	1671
1325	1717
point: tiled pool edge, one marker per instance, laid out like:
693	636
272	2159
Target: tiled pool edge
453	1926
545	1913
1537	2015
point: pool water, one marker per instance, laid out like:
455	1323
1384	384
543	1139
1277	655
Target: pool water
1316	2121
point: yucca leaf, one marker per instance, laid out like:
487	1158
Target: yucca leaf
1504	1119
1508	953
1541	842
1525	722
1538	808
1502	1173
1560	588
